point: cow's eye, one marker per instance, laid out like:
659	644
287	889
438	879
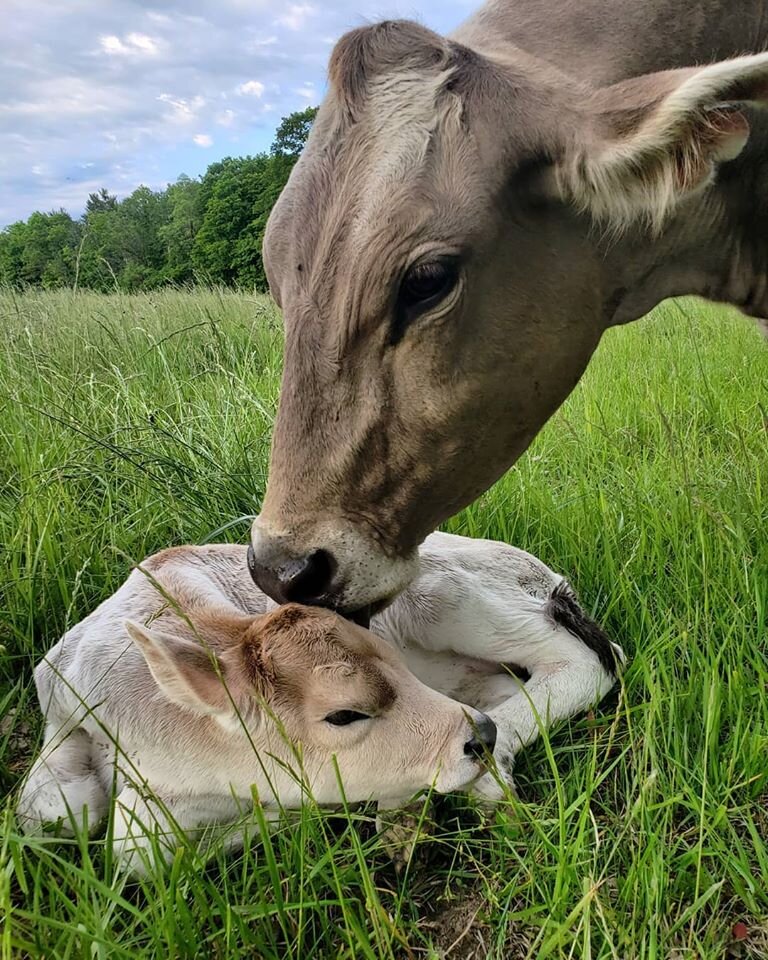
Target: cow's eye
427	283
342	718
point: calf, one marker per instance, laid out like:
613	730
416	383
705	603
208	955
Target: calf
191	693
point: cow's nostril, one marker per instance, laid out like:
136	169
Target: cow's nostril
484	738
309	580
294	579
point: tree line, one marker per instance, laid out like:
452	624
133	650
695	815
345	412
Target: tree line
206	229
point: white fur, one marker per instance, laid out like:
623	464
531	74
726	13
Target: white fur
480	603
475	606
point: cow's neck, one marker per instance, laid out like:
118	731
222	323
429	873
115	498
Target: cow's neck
715	248
604	41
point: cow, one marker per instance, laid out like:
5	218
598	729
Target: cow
188	693
469	216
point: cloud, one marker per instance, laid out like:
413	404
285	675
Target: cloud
296	16
116	94
182	110
226	118
264	42
252	88
135	44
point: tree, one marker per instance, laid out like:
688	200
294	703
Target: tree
213	226
102	257
123	242
231	188
12	242
185	214
241	194
292	133
142	216
100	202
50	249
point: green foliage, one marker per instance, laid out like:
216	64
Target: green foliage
293	131
122	242
231	194
100	202
211	228
240	196
131	423
40	252
12	242
184	216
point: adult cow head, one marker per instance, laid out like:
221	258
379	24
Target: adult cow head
458	233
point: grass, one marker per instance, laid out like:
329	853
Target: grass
131	423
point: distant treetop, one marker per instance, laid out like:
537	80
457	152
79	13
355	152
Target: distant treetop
293	131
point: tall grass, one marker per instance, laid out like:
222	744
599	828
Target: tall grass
131	423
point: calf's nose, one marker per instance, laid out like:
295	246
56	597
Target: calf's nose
289	579
483	737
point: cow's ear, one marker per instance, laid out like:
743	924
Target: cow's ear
188	674
654	139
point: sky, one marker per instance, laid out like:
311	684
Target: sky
118	93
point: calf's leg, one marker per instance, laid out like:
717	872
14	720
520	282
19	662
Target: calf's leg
572	664
557	689
148	828
63	785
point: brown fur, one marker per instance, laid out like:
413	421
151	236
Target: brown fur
537	147
364	54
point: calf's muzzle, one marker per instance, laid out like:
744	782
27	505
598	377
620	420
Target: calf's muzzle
484	738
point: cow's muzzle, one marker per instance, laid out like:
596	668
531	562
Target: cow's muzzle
307	580
287	579
333	565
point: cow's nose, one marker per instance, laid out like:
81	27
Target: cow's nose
293	579
483	738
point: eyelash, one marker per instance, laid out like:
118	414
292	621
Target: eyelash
410	307
343	718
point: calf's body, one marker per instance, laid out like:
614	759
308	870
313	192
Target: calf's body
142	713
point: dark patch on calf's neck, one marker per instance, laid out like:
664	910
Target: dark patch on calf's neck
565	611
516	670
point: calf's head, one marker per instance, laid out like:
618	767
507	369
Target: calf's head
320	694
441	258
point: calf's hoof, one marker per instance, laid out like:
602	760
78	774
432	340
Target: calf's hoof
495	786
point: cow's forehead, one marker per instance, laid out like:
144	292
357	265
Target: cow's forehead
418	162
404	134
406	162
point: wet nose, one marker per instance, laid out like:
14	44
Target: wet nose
305	579
483	737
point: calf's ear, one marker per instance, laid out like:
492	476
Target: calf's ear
189	674
651	140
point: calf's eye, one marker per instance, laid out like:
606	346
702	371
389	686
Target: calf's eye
342	718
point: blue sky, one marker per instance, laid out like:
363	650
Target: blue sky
117	93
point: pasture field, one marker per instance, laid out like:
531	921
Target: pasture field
128	423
